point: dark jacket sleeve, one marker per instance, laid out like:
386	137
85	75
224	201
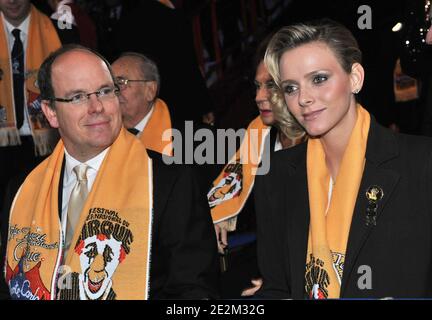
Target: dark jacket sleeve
4	291
184	261
270	240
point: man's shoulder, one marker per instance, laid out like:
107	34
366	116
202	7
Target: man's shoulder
166	165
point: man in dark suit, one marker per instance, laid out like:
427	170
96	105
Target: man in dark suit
26	37
156	243
143	114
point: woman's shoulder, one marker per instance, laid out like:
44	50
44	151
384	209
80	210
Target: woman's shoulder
384	144
413	142
278	166
413	148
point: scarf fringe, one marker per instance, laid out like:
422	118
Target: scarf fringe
229	224
9	137
45	141
232	223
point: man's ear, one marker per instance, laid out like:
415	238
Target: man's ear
357	77
50	114
151	91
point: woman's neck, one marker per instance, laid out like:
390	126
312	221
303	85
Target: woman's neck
336	141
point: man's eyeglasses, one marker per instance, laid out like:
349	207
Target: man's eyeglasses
81	98
123	82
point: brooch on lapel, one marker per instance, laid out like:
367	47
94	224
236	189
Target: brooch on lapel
373	194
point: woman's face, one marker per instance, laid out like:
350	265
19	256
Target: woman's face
263	84
317	90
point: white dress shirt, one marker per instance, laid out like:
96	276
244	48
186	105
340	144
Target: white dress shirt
278	144
24	27
70	179
143	123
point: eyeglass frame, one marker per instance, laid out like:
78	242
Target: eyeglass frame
115	88
124	85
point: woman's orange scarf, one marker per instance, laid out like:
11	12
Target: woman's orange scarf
232	187
330	223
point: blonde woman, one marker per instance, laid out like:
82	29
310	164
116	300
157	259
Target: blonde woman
349	213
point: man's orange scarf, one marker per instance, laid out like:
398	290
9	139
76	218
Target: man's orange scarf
167	3
329	228
110	251
232	187
42	40
157	133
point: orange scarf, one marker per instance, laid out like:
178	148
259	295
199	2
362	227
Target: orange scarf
232	187
157	133
42	40
167	3
113	234
328	231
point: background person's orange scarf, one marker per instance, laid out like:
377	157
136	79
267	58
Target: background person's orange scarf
42	40
158	127
328	233
232	187
110	251
167	3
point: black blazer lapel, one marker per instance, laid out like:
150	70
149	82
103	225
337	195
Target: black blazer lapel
381	147
164	177
297	206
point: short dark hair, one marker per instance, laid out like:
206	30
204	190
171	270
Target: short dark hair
44	75
148	67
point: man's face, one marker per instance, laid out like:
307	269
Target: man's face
136	97
89	128
15	11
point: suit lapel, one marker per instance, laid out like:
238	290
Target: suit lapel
297	206
381	148
164	177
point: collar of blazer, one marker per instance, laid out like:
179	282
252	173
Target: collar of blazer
381	147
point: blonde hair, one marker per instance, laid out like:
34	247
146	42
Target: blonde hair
338	38
284	120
